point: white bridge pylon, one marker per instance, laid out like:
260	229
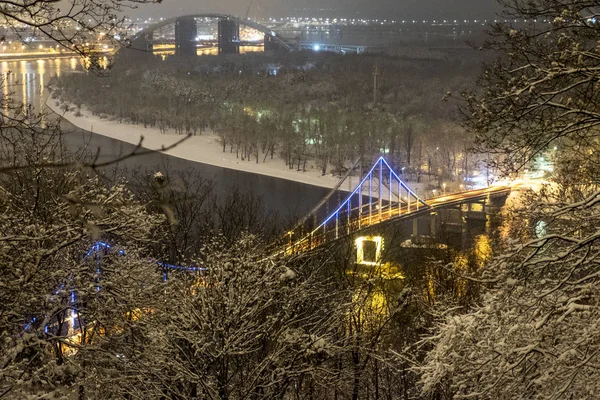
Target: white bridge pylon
380	196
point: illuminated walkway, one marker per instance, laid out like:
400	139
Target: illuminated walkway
380	197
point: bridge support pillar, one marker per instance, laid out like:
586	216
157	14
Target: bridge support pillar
229	37
186	32
423	229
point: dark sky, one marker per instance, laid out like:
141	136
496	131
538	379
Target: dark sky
398	9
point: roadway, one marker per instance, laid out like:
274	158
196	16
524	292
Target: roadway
355	220
452	199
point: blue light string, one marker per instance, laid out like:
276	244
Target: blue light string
99	246
190	269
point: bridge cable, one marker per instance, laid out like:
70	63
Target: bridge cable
326	199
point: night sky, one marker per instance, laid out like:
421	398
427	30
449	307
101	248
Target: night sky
398	9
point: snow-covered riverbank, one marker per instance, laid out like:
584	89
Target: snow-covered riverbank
204	149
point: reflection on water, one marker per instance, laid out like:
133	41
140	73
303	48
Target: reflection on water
25	80
95	63
169	50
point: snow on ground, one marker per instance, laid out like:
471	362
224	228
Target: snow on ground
204	149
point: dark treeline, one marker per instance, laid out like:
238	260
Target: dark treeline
308	108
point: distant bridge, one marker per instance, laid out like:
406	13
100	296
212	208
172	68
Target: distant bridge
183	32
335	48
187	33
381	197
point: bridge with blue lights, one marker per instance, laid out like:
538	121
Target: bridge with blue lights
381	197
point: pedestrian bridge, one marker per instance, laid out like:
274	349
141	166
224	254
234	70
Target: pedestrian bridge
381	197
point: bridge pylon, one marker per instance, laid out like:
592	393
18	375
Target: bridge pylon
379	196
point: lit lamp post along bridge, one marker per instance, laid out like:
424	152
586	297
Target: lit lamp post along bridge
380	197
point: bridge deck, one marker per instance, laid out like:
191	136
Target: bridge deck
367	216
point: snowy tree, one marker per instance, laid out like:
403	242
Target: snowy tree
541	91
240	326
56	303
185	200
534	332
